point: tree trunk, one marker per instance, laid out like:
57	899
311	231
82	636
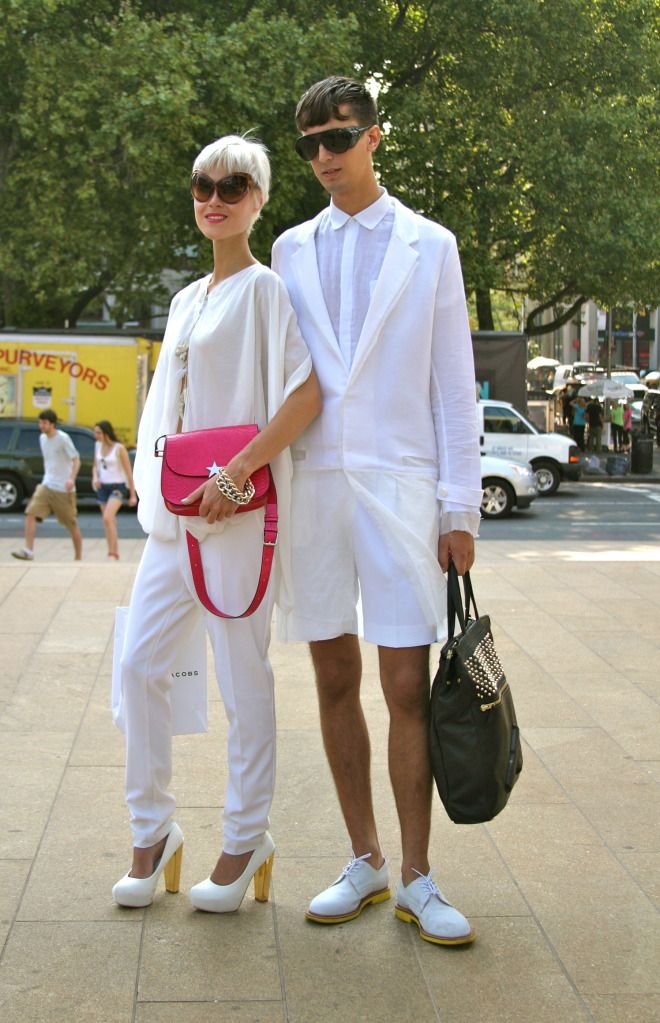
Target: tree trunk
484	309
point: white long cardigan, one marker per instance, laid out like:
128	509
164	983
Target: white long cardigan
246	357
406	407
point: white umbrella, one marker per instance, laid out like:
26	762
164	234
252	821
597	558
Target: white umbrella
540	361
604	388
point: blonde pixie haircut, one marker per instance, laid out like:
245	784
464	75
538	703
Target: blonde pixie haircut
236	154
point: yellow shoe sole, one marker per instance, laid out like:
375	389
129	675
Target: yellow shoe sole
372	899
410	918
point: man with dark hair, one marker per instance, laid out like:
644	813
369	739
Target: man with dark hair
56	494
387	485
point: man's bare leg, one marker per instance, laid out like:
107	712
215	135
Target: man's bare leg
338	666
30	532
76	536
404	675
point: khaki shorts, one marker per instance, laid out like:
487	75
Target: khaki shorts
61	504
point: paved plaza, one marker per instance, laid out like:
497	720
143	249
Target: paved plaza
563	888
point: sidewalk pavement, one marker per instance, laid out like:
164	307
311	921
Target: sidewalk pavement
563	888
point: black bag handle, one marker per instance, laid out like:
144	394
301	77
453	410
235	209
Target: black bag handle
457	607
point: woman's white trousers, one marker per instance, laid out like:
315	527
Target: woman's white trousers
163	607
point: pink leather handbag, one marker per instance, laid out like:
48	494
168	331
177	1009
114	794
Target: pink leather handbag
189	460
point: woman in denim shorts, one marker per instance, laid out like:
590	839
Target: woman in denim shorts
112	479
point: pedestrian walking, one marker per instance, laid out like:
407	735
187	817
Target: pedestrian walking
579	423
618	432
594	416
232	354
627	423
387	485
56	494
112	480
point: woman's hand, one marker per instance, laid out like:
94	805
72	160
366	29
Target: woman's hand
132	501
215	506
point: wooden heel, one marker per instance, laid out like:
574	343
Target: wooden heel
262	880
172	871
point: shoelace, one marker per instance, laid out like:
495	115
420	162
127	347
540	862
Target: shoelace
430	887
355	860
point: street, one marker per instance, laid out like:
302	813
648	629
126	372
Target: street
601	512
598	512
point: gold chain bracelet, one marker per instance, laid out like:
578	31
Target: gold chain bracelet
226	486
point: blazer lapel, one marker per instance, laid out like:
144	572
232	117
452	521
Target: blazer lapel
306	270
398	265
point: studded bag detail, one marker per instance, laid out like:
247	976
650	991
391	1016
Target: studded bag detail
475	749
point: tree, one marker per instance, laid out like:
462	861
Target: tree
527	127
108	105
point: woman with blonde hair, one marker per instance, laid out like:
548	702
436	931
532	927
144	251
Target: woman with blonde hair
232	354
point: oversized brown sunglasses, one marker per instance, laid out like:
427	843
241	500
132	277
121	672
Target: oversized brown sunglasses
231	189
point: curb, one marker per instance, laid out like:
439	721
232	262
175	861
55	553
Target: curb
629	478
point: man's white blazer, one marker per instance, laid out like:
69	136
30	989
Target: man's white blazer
407	404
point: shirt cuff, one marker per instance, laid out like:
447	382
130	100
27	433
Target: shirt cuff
461	521
456	494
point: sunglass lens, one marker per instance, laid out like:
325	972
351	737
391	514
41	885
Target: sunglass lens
339	140
307	147
201	187
233	188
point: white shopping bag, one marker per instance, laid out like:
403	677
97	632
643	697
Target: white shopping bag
189	694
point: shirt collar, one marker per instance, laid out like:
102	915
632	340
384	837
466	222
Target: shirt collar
369	217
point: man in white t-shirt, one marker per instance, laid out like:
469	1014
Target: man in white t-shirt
56	494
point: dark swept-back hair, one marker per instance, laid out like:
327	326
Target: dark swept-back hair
322	101
106	427
49	415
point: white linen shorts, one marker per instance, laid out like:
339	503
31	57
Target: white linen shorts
341	556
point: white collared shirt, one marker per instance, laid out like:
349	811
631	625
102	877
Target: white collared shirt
350	253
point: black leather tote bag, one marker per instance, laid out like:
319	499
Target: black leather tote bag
476	755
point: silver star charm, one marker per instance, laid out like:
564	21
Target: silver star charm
213	469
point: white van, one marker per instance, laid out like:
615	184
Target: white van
576	371
506	433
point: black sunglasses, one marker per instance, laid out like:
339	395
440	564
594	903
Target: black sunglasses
335	140
231	189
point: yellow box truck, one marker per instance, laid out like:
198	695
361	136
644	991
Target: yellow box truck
84	377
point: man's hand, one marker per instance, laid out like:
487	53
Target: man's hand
458	547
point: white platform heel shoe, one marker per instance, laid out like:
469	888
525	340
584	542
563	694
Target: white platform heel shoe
226	898
137	892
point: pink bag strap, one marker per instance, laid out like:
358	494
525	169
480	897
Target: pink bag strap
270	539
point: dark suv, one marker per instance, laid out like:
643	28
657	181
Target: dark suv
651	414
21	464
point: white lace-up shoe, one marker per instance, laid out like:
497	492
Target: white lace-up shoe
422	903
356	887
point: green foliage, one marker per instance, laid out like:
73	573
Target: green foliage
108	106
525	126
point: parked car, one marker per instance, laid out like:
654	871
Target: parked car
22	466
651	414
507	485
506	433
